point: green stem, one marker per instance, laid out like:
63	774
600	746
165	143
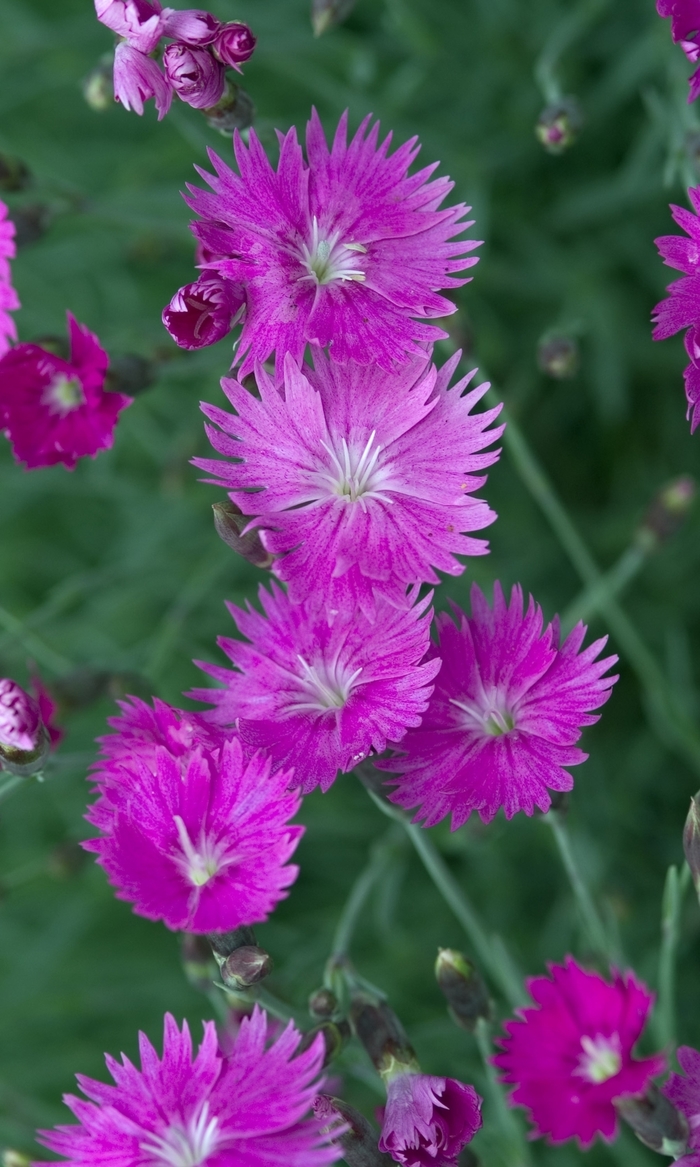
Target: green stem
33	644
593	925
6	788
379	861
589	602
514	1145
675	888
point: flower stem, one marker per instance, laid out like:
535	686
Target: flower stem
593	925
6	788
379	861
675	888
590	601
514	1145
33	644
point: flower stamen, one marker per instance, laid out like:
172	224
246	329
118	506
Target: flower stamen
601	1058
188	1146
327	260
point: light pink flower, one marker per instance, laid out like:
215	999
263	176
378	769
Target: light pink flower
363	480
192	26
9	300
195	75
570	1055
248	1108
21	726
683	1090
428	1121
507	710
138	78
345	251
54	410
319	697
203	312
141	22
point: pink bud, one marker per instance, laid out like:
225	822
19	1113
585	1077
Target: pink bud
194	75
234	44
192	26
203	312
137	78
20	720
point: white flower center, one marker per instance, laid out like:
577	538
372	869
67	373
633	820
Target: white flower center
188	1146
601	1058
327	259
354	473
201	863
63	395
323	686
488	714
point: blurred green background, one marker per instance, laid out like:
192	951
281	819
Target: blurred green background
116	566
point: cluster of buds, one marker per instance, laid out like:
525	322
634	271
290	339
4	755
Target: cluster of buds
194	63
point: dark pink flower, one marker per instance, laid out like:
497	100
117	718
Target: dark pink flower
203	312
507	710
138	78
318	697
192	26
200	840
685	30
683	1090
141	22
141	730
21	726
428	1121
54	410
234	44
194	74
251	1107
47	710
346	250
9	300
363	480
570	1055
682	308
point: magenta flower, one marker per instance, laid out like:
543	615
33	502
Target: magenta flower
203	312
48	709
570	1056
345	251
54	410
194	74
21	726
250	1107
137	78
363	480
319	697
141	22
682	308
199	841
684	1093
685	30
427	1121
142	730
234	44
9	300
508	706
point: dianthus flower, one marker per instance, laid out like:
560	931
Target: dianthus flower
362	479
570	1055
685	30
140	730
682	308
344	251
508	706
683	1090
428	1121
203	312
54	410
199	840
250	1107
9	300
319	697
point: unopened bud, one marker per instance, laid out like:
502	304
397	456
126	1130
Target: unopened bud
229	523
235	110
245	967
130	374
558	357
655	1121
559	124
224	943
12	1158
24	742
382	1034
334	1038
323	1003
98	87
14	173
666	513
359	1140
691	840
31	222
197	961
325	14
463	988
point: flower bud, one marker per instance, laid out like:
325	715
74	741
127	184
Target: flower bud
195	76
559	124
325	14
24	742
666	513
130	373
224	943
558	357
463	988
14	173
234	44
382	1035
323	1003
31	221
204	312
230	524
691	840
193	26
359	1139
334	1037
245	967
98	89
655	1121
235	110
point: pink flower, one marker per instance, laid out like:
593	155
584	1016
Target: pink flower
203	312
21	726
250	1107
345	251
48	709
193	26
570	1056
319	697
427	1121
141	22
682	308
138	78
362	479
684	1093
508	706
194	74
234	44
54	410
9	300
200	840
142	730
685	30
